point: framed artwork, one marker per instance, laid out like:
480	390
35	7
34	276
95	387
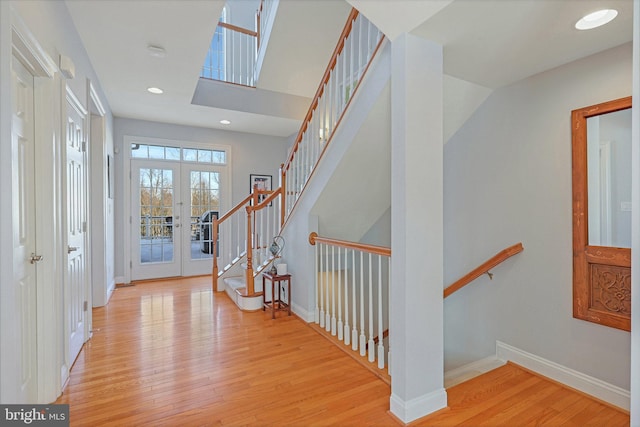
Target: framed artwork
261	182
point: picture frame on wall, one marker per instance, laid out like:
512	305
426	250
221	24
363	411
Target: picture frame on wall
262	182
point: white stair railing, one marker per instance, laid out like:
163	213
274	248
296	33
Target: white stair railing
356	48
232	55
352	294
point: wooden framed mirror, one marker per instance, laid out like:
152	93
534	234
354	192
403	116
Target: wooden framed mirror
601	148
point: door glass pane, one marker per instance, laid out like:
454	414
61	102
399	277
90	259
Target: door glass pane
204	191
156	215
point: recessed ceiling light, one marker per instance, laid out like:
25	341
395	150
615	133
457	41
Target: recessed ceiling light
225	122
156	51
596	19
155	90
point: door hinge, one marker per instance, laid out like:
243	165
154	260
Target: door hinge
86	305
130	220
130	264
84	226
84	146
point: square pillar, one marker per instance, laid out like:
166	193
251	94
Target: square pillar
416	301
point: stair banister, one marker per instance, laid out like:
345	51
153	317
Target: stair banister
329	104
483	268
216	225
352	307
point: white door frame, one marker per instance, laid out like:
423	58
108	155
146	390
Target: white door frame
127	140
15	36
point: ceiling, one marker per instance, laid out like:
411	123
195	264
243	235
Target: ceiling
487	44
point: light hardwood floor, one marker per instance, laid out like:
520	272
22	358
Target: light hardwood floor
171	353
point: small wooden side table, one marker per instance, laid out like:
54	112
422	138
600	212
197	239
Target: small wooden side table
281	305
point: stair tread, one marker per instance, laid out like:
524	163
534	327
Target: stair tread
243	293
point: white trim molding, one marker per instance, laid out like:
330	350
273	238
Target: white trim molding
418	407
464	373
599	389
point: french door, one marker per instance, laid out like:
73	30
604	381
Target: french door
173	205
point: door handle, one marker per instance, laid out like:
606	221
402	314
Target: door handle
72	249
35	258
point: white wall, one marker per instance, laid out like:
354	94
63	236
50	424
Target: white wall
508	180
52	27
250	154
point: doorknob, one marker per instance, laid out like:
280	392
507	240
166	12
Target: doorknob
72	249
35	258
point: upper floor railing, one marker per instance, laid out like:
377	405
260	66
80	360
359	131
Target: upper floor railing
233	51
357	46
232	55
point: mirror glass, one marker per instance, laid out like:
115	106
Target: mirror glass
609	179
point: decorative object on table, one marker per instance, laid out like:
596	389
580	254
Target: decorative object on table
277	245
273	270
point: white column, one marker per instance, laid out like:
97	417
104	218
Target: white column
416	306
635	226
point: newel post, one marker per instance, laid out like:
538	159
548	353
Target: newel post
214	243
249	270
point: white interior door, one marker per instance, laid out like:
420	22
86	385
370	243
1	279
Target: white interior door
24	233
156	220
76	208
201	194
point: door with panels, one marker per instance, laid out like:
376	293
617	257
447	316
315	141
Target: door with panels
25	255
75	294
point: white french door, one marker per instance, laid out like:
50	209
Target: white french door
173	205
155	217
201	190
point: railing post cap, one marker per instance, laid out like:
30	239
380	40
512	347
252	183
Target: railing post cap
312	238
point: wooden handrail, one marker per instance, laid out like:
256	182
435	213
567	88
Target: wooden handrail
483	268
238	29
325	78
234	209
272	195
378	250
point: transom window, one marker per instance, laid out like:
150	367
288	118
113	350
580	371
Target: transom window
160	152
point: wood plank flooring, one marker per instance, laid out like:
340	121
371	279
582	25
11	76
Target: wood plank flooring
172	353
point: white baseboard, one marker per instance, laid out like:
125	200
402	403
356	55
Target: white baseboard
471	370
599	389
120	279
418	407
307	316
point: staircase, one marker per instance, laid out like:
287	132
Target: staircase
244	236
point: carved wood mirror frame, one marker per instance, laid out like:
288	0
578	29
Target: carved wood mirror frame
601	274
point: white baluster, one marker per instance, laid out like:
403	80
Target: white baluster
321	275
380	325
316	315
372	354
333	291
347	331
388	308
354	331
363	338
327	325
339	290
